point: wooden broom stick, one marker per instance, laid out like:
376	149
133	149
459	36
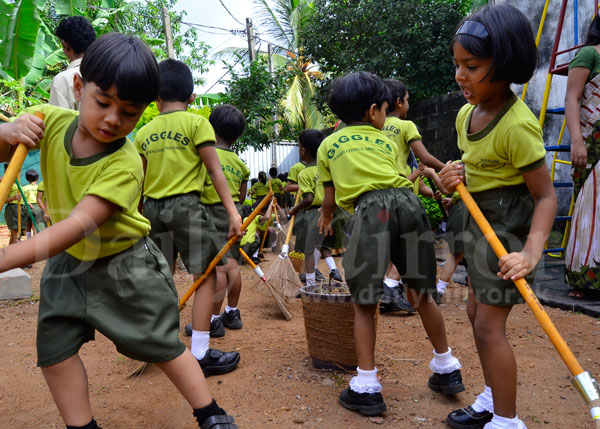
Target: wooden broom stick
286	247
583	381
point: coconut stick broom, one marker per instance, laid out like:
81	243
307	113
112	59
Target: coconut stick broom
582	380
142	366
281	272
276	295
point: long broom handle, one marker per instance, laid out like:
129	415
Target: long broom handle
223	251
291	223
255	267
12	171
276	215
441	206
262	243
31	216
589	392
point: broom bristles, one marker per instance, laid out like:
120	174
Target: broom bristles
279	240
283	277
280	300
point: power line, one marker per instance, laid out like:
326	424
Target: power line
224	74
230	14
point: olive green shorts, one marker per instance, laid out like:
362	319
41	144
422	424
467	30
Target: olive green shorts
218	215
129	297
509	211
11	216
180	224
454	228
389	225
38	215
308	236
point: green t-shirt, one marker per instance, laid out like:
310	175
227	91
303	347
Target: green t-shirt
403	133
263	226
588	57
170	144
277	185
309	183
496	156
358	159
235	171
114	175
42	189
250	235
30	192
14	190
295	170
260	189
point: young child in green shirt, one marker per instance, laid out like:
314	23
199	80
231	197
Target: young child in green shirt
30	192
104	272
174	146
277	185
359	168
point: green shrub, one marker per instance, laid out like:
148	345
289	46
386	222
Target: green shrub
433	211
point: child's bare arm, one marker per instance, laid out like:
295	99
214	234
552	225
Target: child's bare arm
291	187
430	173
425	190
423	154
451	175
304	204
27	129
328	206
243	190
86	217
213	166
518	264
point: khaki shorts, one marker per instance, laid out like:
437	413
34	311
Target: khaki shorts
509	211
11	216
218	215
389	225
308	237
129	297
180	224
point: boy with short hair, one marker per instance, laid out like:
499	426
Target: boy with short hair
173	147
276	185
308	238
358	166
30	192
103	272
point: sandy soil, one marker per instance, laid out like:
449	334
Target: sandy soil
275	385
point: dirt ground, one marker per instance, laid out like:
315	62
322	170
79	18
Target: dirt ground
275	385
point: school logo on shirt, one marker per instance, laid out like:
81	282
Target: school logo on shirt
166	135
490	164
377	144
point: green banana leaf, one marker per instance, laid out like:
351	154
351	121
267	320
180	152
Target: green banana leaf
70	7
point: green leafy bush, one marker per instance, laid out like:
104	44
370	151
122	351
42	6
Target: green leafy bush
433	211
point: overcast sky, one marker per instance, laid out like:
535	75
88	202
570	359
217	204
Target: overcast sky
212	13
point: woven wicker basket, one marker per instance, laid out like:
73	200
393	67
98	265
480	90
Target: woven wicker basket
329	323
297	260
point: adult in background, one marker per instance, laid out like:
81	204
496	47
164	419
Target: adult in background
75	34
582	262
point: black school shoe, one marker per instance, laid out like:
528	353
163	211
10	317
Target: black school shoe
367	404
468	418
448	384
219	422
319	277
336	275
231	320
217	330
217	362
393	299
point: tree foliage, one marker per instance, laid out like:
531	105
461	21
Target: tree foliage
406	40
258	94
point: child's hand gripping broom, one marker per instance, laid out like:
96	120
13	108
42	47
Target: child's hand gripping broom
142	366
583	381
281	271
276	295
12	171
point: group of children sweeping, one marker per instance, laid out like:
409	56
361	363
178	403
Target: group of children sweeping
109	267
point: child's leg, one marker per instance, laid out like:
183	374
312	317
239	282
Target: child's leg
203	303
68	384
234	283
220	289
448	269
309	267
14	237
432	319
365	333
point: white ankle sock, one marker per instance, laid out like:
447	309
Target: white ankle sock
484	401
213	317
199	343
499	422
330	263
228	309
365	381
391	282
317	254
310	279
444	363
255	254
441	286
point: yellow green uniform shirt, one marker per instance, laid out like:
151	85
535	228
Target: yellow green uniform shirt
358	159
277	186
263	226
235	171
496	156
403	133
260	189
250	236
170	144
114	175
14	190
42	189
295	171
30	192
309	183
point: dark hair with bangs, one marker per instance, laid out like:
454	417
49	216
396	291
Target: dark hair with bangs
311	140
593	34
228	122
273	172
31	175
351	96
176	81
510	43
397	90
77	31
123	61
